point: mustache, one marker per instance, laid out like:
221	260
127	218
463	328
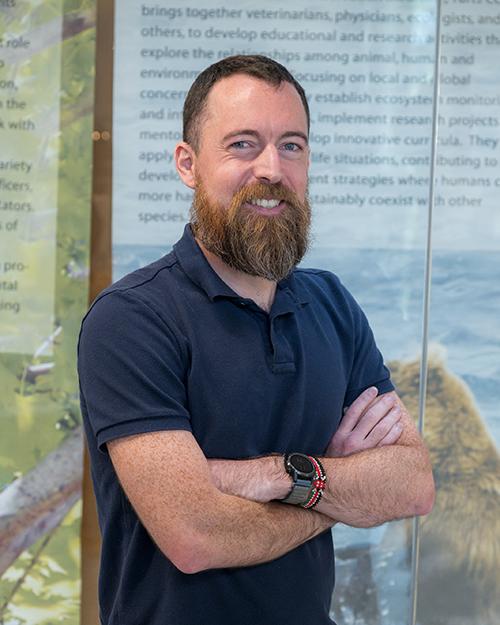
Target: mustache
258	190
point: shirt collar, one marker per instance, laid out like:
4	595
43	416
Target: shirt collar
199	271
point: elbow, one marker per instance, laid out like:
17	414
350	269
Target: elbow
189	563
196	543
427	504
426	498
189	554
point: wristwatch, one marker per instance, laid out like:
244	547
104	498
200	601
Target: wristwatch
303	473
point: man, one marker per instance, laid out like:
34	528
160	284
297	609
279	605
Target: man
214	381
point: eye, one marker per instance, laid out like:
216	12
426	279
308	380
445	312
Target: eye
291	147
239	145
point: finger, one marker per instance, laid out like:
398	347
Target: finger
384	427
356	409
393	435
379	410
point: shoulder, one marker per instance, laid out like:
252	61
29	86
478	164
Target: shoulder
322	286
143	282
320	277
144	288
141	304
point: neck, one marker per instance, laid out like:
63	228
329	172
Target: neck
260	290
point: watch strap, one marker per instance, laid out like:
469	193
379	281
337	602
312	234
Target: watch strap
299	493
318	485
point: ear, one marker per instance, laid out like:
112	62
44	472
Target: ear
185	159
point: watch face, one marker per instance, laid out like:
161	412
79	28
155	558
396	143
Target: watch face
301	464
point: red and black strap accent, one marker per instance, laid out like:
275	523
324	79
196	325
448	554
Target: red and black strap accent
318	485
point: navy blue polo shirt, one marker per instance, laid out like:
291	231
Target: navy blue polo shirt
171	347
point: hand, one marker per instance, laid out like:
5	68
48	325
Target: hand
258	479
370	421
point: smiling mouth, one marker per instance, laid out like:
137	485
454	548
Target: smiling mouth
263	203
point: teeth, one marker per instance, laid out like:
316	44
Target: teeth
265	203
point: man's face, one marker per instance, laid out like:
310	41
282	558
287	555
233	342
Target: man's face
250	174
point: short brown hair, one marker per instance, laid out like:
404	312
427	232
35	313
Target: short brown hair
256	65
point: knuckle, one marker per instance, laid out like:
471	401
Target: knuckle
385	426
388	400
380	431
352	443
338	436
370	414
354	409
391	417
390	439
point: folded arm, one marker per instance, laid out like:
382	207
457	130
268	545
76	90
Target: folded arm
381	484
167	480
381	481
220	513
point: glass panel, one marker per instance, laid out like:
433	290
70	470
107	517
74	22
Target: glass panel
459	557
370	190
368	71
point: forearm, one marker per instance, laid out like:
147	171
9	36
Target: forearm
362	490
381	483
236	532
377	485
167	480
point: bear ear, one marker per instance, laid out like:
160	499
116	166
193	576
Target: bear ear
185	163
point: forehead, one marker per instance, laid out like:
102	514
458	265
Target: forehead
244	102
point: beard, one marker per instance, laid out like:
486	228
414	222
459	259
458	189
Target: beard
256	244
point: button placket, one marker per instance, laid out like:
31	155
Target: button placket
283	357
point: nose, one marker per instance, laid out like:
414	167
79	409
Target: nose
267	165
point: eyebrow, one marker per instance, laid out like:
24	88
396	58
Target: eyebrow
254	133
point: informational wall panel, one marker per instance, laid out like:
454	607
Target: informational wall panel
29	124
468	159
368	75
46	103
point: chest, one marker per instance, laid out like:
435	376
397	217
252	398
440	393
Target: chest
259	384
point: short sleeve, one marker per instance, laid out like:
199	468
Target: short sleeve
368	368
132	367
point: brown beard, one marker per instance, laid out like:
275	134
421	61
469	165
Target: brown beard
259	245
